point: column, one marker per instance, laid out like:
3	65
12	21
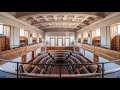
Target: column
14	37
105	36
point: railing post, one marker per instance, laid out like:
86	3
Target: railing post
60	71
17	70
102	70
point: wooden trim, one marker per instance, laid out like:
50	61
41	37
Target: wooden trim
96	58
24	58
33	54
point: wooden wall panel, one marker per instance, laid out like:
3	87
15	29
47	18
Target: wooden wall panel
24	58
59	48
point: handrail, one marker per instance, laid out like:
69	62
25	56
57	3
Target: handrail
64	75
101	51
61	64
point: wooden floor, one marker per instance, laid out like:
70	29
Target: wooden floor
59	69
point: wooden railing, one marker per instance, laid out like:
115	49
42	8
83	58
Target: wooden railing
17	52
102	52
88	47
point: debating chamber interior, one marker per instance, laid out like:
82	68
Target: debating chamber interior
59	44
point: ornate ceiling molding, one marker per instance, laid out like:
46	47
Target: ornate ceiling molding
44	20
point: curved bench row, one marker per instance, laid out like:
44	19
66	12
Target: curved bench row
71	58
82	69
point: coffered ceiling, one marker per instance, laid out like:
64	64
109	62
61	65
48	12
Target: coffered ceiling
60	20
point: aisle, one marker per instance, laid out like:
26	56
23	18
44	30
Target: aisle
57	70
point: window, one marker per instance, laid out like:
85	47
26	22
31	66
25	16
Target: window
34	34
98	32
67	42
22	32
52	42
115	29
85	34
60	42
40	36
7	30
118	29
26	33
1	29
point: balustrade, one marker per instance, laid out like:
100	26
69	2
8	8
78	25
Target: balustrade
17	52
103	52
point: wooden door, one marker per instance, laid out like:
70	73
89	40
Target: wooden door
96	58
33	54
118	43
24	58
2	43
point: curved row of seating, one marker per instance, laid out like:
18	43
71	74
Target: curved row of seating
44	58
70	57
81	69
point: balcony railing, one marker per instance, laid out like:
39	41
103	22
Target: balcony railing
17	52
19	73
100	51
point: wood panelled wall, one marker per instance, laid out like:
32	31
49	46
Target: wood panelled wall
115	43
60	48
4	43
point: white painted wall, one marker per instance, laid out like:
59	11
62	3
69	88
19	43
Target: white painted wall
7	18
108	66
14	38
29	56
30	40
90	37
11	66
63	35
38	51
89	55
82	51
105	36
